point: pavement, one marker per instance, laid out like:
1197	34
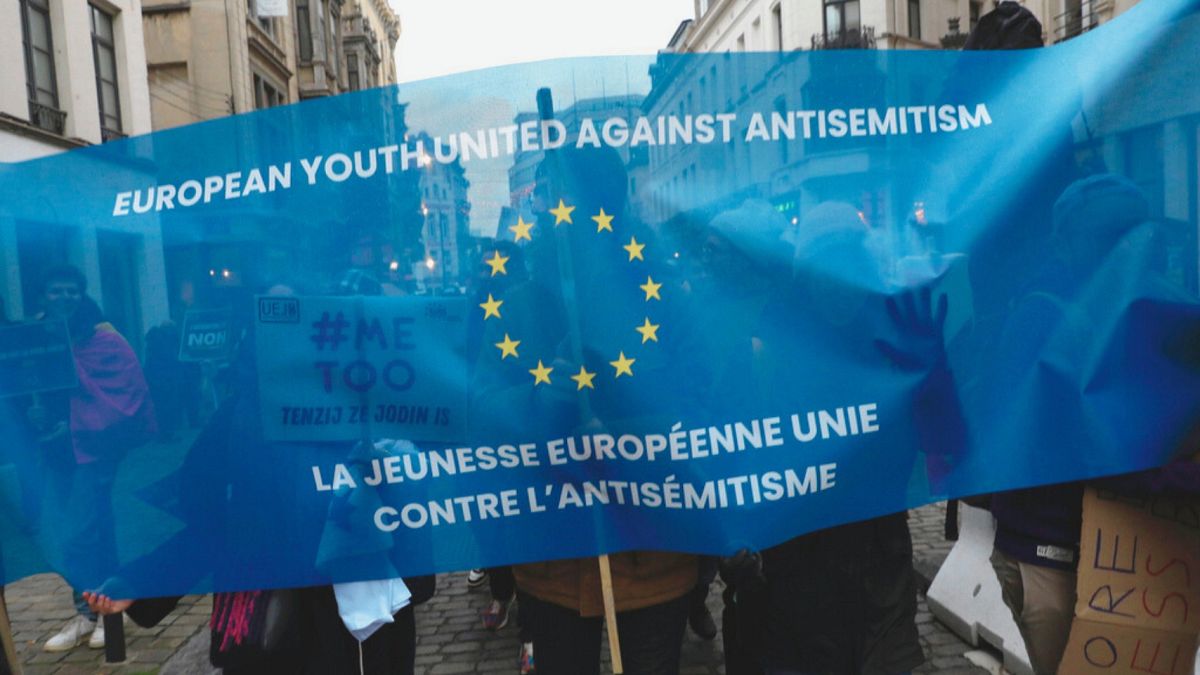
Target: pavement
450	637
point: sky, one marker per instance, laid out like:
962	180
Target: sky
438	37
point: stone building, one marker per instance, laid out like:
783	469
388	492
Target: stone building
74	75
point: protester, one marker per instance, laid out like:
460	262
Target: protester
1036	550
174	384
306	630
108	414
561	601
842	600
723	295
314	639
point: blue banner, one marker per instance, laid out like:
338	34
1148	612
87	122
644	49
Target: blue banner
692	302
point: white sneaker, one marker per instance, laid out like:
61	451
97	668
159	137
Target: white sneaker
476	578
72	634
97	639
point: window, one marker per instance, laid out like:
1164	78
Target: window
266	94
975	8
914	19
777	26
841	17
352	78
104	54
319	46
781	108
335	42
303	31
266	22
40	80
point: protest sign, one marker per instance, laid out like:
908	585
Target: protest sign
35	357
337	369
1137	597
207	335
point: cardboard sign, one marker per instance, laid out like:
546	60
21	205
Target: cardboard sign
336	369
35	357
207	335
1138	604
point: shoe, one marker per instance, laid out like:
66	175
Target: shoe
71	635
701	622
525	660
495	616
97	639
475	578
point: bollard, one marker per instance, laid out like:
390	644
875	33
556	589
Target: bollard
965	594
114	638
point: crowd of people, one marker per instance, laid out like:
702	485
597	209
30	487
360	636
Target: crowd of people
841	600
838	601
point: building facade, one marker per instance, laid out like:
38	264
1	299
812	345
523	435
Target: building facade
76	76
446	224
370	33
771	25
680	177
212	58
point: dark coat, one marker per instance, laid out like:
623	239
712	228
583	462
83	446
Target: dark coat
842	601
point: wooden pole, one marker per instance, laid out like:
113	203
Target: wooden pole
8	662
545	104
610	614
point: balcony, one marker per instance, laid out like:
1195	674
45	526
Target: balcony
860	38
954	38
45	117
1079	20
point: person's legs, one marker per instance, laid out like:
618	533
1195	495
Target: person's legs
502	583
503	586
739	658
564	643
88	543
651	638
699	618
1042	602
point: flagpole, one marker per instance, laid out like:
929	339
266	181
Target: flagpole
545	105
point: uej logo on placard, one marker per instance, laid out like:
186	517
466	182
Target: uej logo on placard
279	310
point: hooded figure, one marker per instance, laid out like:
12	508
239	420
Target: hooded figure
1009	26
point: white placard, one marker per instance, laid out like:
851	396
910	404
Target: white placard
272	7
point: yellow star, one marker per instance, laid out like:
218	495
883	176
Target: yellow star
491	307
584	379
521	230
541	374
562	213
622	365
651	289
497	262
603	222
648	330
635	249
508	347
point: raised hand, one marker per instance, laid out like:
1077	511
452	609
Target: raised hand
921	344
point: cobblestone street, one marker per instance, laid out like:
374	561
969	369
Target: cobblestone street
450	636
